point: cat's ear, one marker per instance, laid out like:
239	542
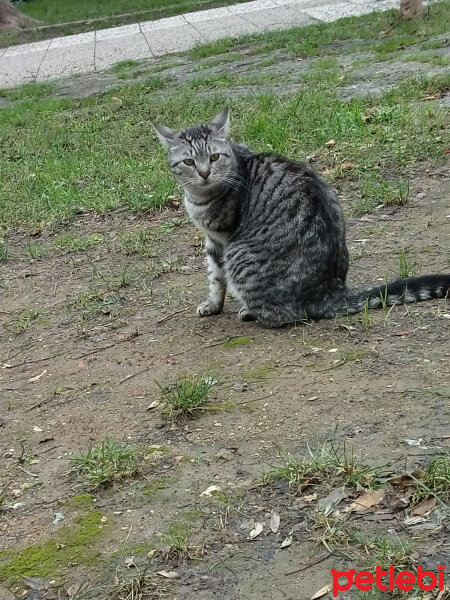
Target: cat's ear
165	135
222	123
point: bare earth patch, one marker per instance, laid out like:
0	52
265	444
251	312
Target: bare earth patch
88	367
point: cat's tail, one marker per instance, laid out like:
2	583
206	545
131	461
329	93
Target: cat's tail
399	291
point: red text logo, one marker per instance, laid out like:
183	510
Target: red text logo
387	580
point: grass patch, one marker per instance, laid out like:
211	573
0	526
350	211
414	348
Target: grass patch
188	395
135	587
22	321
327	465
137	242
29	91
407	267
153	487
35	251
377	191
176	538
96	155
106	462
3	252
435	480
124	66
93	303
67	242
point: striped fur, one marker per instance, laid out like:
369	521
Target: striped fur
275	233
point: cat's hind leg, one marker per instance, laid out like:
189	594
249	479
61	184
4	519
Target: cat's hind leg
245	315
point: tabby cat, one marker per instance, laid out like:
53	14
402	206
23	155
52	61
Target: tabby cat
275	233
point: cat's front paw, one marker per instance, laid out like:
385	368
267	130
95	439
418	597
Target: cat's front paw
208	308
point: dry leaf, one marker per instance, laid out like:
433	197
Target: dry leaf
153	405
366	501
310	497
168	574
341	167
287	542
425	507
257	529
129	562
330	502
414	520
274	522
326	588
37	377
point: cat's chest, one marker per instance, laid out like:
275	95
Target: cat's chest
209	220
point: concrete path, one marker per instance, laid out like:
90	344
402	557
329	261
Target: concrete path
99	50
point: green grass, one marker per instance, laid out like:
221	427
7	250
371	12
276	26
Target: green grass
188	395
72	243
176	539
22	321
92	303
435	480
97	154
4	251
407	267
106	462
137	242
64	11
327	465
320	39
31	91
35	251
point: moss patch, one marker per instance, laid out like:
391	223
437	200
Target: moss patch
153	487
82	501
237	341
69	546
261	371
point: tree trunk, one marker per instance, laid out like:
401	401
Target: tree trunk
410	9
11	18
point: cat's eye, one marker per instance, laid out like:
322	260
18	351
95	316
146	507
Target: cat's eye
214	157
189	162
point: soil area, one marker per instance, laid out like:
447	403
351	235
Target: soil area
91	363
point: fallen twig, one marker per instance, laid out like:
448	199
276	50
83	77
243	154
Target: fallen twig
128	377
34	361
258	399
167	317
309	565
28	472
96	350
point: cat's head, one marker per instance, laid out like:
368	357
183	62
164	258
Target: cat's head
200	156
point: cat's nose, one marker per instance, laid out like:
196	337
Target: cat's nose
204	174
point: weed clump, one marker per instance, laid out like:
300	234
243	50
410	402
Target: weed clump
106	462
188	395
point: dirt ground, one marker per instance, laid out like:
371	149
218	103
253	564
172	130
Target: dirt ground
89	365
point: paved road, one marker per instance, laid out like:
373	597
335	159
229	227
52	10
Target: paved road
99	50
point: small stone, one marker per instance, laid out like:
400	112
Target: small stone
225	454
